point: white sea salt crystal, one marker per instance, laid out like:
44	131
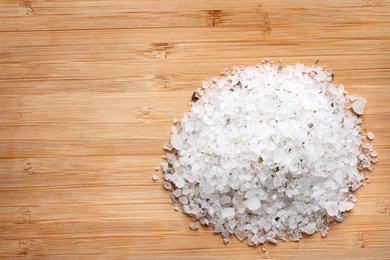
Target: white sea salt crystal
154	177
266	152
228	213
194	226
176	142
167	185
247	226
253	204
225	200
332	208
183	200
345	206
176	193
208	188
352	198
359	105
370	135
218	228
186	209
179	182
310	228
167	147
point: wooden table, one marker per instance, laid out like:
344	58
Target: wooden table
88	91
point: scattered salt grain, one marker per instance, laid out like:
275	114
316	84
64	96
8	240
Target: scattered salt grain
370	136
268	152
359	105
194	226
167	147
176	208
157	168
345	206
263	248
167	185
154	177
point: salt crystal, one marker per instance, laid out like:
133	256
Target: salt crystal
194	226
359	105
253	204
183	200
370	135
218	228
332	208
154	177
179	182
167	146
176	142
352	198
176	193
228	213
345	206
167	185
208	188
310	228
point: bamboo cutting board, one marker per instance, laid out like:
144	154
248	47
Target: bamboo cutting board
88	91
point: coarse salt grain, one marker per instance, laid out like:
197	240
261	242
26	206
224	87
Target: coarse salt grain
359	105
370	135
345	206
268	152
194	226
253	204
167	147
167	185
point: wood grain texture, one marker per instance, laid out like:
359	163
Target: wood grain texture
88	91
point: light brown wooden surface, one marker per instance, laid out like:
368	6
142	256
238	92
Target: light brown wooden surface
88	91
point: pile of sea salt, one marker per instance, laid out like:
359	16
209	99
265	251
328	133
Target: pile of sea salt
268	153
